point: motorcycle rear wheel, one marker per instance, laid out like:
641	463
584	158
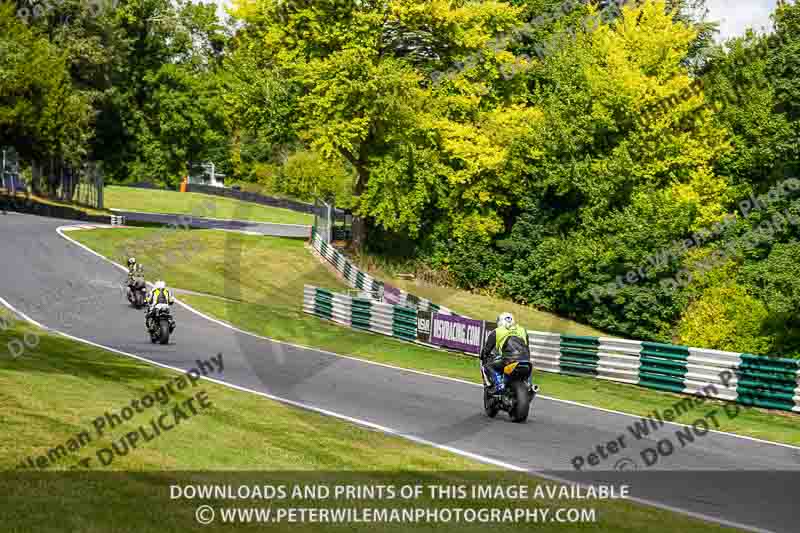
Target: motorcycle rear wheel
163	326
522	402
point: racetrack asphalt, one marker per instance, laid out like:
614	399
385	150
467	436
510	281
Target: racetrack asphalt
732	480
261	228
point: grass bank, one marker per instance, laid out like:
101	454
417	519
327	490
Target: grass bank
264	278
199	205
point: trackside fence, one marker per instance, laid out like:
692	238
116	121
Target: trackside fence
359	279
768	382
361	313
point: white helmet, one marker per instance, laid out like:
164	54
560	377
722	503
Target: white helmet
506	320
161	285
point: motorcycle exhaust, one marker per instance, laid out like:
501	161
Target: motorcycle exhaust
485	378
534	392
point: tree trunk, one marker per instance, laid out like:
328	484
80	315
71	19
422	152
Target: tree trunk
360	224
359	233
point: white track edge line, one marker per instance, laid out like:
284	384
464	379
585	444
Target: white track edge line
400	434
420	372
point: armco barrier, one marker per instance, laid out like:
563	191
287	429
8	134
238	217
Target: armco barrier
366	283
712	367
619	360
663	366
545	350
767	382
358	313
579	355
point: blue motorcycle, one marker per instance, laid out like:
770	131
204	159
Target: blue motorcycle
517	392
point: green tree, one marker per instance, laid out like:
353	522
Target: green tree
182	120
359	73
308	175
612	183
42	115
160	110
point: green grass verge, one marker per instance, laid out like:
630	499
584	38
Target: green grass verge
199	205
265	277
55	390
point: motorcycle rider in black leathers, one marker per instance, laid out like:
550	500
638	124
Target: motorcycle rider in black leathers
508	341
159	295
134	269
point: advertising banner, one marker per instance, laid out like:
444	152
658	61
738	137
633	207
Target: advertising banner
457	333
424	326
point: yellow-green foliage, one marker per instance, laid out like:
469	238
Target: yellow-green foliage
480	152
268	176
635	65
308	175
725	318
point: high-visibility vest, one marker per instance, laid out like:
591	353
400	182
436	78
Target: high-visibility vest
157	294
502	334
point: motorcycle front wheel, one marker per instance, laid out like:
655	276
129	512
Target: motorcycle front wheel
489	404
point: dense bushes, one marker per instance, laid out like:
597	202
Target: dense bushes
727	318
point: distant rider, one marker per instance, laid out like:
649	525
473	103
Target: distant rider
159	295
132	269
510	341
